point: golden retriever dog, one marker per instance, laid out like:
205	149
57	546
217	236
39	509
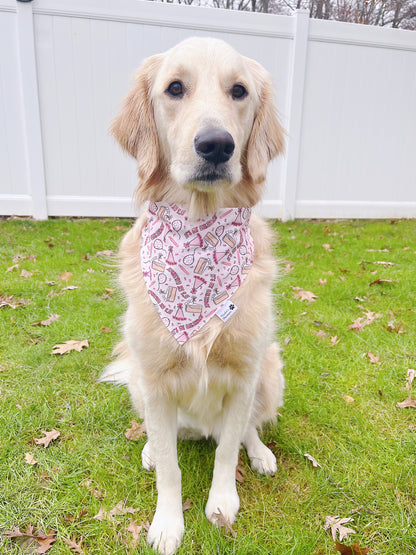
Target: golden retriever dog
198	348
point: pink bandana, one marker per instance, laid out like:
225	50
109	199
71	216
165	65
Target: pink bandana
192	268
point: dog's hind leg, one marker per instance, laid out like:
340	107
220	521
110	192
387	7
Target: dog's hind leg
269	396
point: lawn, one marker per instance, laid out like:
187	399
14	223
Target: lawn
346	307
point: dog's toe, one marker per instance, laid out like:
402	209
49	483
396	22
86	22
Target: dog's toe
263	461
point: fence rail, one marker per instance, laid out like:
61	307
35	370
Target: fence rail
346	94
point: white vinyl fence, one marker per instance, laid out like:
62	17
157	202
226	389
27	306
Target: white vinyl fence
346	93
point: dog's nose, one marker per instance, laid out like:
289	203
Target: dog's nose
214	145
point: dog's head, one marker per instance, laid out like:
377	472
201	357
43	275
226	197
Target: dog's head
200	119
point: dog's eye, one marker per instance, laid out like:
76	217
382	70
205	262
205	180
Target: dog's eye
238	91
175	89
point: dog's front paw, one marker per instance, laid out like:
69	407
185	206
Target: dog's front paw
166	531
263	460
222	505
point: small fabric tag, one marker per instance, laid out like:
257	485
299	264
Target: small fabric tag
226	311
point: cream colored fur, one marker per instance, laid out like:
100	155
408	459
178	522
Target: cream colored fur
226	380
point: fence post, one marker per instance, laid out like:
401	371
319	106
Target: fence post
29	97
295	108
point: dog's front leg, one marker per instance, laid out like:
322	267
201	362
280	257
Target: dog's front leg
167	527
223	497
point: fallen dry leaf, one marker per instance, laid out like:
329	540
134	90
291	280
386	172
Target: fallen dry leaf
303	295
314	462
374	359
377	281
392	326
66	276
322	281
136	431
348	399
73	545
49	436
105	329
327	247
187	505
118	510
48	321
407	403
322	333
25	274
240	473
365	320
30	459
68	346
70	288
410	377
12	267
11	302
337	526
351	549
44	541
223	522
135	530
334	341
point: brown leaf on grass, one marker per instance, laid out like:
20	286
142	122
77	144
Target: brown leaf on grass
223	522
240	473
187	505
348	399
30	459
334	341
136	431
66	276
392	326
44	541
351	549
365	320
384	263
410	377
135	530
374	359
25	274
73	545
303	295
11	302
68	346
48	321
15	266
337	527
314	462
49	436
322	281
288	266
407	403
105	329
327	247
118	510
70	288
321	333
378	281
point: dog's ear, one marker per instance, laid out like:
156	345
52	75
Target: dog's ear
135	128
267	137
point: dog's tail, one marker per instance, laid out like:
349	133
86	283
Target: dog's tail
118	371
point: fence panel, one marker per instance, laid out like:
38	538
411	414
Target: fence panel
345	93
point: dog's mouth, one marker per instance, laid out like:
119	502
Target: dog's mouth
211	176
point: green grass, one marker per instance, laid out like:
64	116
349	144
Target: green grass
366	448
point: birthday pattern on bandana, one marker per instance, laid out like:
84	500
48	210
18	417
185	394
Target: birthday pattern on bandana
192	268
